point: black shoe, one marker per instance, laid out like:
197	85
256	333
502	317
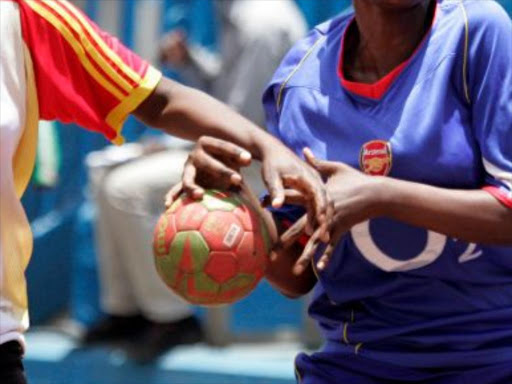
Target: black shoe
159	338
113	329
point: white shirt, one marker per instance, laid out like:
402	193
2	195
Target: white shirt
14	227
255	36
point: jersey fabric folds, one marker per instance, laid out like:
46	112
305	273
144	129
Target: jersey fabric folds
55	64
397	300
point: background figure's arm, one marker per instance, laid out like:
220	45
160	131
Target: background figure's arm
257	60
197	64
204	64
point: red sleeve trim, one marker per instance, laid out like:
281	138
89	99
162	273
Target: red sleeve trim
500	194
303	240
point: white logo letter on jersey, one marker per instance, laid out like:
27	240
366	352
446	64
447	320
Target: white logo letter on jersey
371	252
471	253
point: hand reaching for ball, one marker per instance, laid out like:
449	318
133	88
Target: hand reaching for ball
216	163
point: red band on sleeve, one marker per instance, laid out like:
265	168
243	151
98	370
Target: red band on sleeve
500	194
303	240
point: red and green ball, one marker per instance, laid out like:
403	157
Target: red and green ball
211	252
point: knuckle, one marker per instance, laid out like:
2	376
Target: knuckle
226	172
188	186
187	172
204	161
192	158
188	180
202	140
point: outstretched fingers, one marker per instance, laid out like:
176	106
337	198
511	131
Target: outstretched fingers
226	151
317	201
213	173
324	260
307	255
173	195
275	186
292	234
188	181
325	168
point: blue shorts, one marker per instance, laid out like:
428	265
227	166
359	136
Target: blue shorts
335	368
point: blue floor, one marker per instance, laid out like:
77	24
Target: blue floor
53	358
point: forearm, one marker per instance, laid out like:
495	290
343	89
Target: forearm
280	274
188	113
280	270
470	215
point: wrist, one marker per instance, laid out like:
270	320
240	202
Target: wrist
262	144
382	198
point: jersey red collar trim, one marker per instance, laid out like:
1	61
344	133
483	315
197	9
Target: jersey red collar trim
375	91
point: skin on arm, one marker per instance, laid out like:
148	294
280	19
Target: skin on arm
280	269
389	31
280	273
227	141
473	216
188	113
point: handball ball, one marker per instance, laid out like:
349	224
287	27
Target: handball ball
212	251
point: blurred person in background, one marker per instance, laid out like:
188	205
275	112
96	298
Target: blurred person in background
254	37
56	64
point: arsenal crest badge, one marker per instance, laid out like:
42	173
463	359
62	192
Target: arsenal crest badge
376	158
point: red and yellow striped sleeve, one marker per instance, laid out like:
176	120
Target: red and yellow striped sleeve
83	75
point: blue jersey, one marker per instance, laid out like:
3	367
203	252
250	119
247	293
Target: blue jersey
394	293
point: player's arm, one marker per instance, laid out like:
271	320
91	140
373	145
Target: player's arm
280	270
189	113
485	215
226	135
482	215
473	216
280	274
87	77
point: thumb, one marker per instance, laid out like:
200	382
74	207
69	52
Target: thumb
325	168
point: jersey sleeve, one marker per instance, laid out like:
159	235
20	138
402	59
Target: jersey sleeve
273	102
288	215
274	94
490	81
273	98
83	75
